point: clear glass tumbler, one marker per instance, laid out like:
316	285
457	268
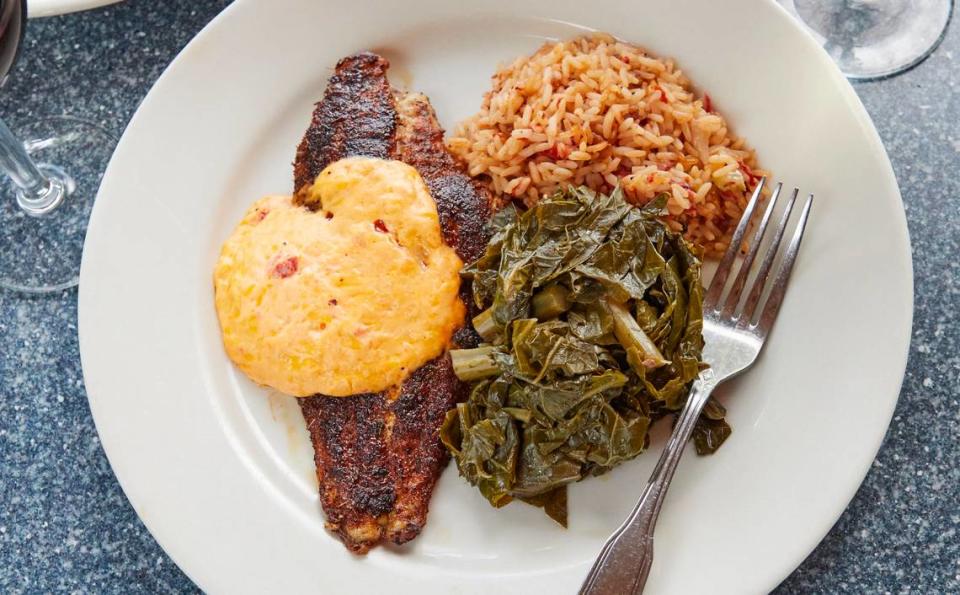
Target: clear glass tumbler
870	39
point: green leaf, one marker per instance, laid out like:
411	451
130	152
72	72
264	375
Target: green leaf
710	434
554	503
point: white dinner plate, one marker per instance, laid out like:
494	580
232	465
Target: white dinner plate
220	470
49	8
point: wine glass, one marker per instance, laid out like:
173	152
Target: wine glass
871	39
44	208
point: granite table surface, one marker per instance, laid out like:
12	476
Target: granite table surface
65	525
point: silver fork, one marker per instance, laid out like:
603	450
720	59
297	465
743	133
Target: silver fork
734	330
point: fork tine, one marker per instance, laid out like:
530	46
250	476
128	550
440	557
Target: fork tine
712	299
736	292
779	289
760	281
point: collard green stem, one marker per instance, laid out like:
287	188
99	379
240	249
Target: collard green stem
474	364
641	350
486	326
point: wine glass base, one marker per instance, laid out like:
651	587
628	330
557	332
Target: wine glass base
874	39
60	186
40	253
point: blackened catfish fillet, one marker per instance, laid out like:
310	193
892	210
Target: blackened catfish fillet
378	456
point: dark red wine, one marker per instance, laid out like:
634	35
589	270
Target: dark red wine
13	16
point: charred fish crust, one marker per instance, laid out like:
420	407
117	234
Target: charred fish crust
467	230
414	441
465	337
403	534
462	204
376	501
378	456
353	434
408	407
356	117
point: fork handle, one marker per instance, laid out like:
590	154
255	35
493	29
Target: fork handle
624	563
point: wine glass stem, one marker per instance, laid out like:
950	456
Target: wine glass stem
37	194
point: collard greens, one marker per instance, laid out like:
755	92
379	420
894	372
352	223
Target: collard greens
592	314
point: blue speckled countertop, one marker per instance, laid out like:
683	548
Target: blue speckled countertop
65	525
